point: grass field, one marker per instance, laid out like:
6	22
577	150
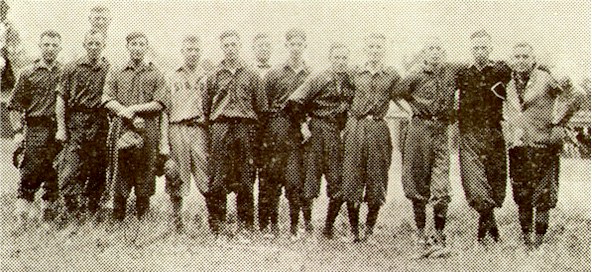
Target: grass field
151	247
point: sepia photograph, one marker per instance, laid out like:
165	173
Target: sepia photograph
295	135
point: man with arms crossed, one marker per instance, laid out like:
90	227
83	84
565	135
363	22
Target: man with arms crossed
282	149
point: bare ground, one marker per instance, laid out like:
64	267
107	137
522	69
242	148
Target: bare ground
152	246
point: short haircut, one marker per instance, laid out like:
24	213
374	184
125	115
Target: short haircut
524	45
93	32
99	9
260	36
50	34
336	46
295	32
480	34
229	33
191	39
135	35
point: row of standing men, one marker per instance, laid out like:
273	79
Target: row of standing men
290	127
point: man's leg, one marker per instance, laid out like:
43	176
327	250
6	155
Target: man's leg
122	185
313	171
440	181
334	154
244	133
520	175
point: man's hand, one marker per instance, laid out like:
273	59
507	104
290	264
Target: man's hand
305	132
127	113
565	83
61	136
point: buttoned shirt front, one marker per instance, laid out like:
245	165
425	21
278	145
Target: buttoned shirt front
35	90
281	82
481	93
327	95
83	83
374	90
234	93
431	90
185	97
135	85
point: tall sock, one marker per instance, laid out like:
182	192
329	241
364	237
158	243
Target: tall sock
371	218
525	216
440	211
353	213
420	214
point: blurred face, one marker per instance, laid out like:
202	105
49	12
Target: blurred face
296	46
339	59
231	46
94	45
522	59
137	48
433	53
50	47
262	49
191	52
99	20
375	48
481	48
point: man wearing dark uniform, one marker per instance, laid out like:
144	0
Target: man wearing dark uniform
325	100
282	150
430	92
367	138
34	97
235	104
482	89
83	126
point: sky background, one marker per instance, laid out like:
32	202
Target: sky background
560	30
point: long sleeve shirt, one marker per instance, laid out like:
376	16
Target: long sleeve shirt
327	95
82	84
280	83
430	91
234	93
374	91
481	94
34	93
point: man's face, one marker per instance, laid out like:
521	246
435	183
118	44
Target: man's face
296	46
94	45
99	20
191	52
262	49
50	47
522	59
137	48
481	48
375	49
339	59
433	53
231	46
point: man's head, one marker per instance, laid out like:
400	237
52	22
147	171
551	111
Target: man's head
433	52
481	46
262	47
50	45
94	43
99	18
295	42
375	47
338	56
523	58
137	45
231	44
3	10
191	50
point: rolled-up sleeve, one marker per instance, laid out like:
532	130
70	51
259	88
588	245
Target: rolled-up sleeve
161	91
19	98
